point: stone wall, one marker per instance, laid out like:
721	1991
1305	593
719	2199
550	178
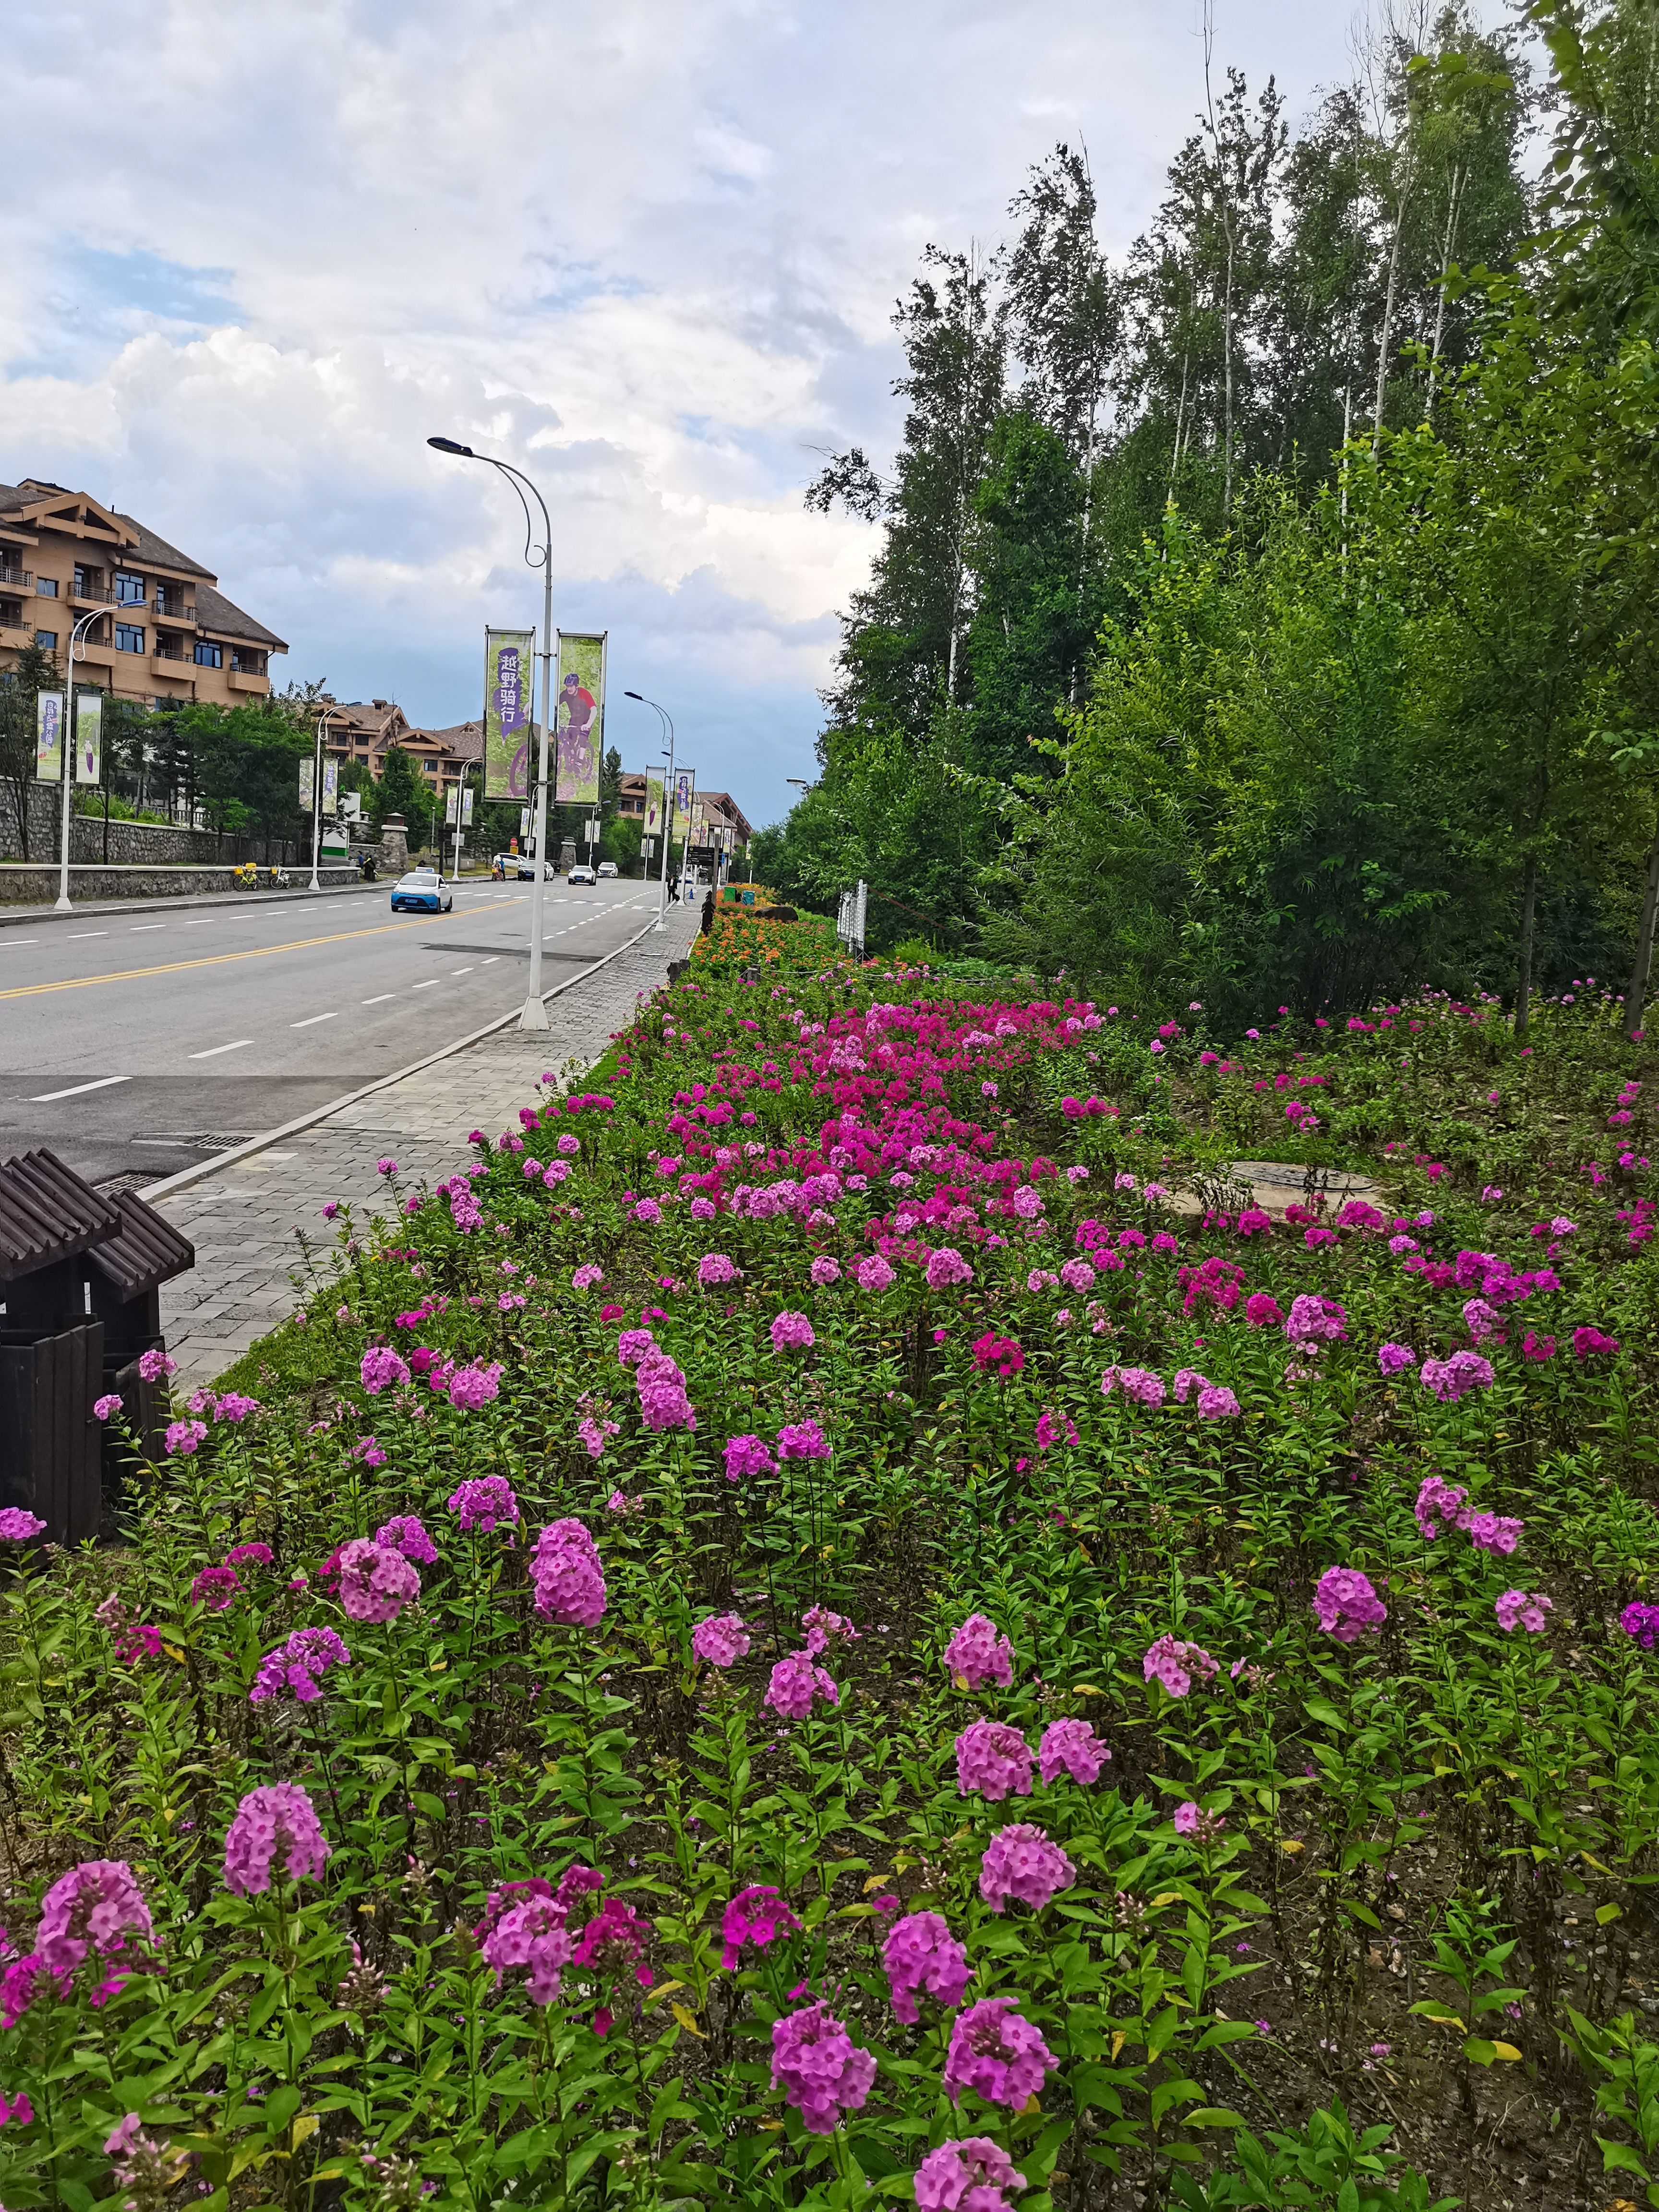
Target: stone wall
139	843
29	885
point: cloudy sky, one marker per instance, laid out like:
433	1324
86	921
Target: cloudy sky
646	250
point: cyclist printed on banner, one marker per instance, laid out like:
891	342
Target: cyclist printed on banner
580	718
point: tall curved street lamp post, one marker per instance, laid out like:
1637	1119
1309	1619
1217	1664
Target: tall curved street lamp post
316	797
534	1016
668	808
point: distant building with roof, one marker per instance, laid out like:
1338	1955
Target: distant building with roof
364	730
163	632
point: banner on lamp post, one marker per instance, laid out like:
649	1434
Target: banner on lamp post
579	718
653	806
307	772
330	786
452	805
466	806
89	738
509	674
48	737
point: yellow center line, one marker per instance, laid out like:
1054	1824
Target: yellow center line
216	959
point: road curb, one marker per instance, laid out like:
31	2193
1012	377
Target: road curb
187	1176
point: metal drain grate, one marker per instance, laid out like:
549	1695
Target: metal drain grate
221	1140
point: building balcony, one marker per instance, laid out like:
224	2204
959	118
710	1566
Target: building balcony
15	631
240	680
172	664
15	579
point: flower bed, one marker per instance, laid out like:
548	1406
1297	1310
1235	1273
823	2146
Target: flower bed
835	1615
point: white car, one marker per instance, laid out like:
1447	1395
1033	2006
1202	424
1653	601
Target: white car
582	876
607	868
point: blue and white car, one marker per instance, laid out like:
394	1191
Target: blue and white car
423	890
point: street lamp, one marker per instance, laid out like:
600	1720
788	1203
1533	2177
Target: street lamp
668	810
67	743
534	1016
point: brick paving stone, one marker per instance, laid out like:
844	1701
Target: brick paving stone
243	1222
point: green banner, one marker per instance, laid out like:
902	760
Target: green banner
653	805
509	677
48	737
579	718
89	738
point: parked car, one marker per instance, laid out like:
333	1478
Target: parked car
527	870
583	875
423	890
607	868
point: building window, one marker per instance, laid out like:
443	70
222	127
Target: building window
86	581
129	638
11	615
129	590
208	655
47	587
250	663
47	639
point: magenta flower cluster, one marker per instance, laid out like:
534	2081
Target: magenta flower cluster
567	1575
275	1829
979	1653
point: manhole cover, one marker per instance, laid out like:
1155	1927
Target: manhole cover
221	1140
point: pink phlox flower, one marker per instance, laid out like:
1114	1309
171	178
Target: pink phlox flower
233	1406
368	1452
720	1640
251	1555
715	1268
997	2052
106	1408
1345	1605
1482	1320
531	1935
792	1332
1175	1663
17	2108
757	1915
802	1440
94	1907
978	1653
1593	1344
1049	1432
1001	1352
874	1274
588	1276
1261	1310
993	1759
795	1681
1491	1532
946	1269
1453	1379
633	1344
967	2175
820	2069
568	1578
824	1271
24	1982
376	1582
1021	1865
154	1366
475	1386
1137	1383
382	1369
19	1526
1070	1747
613	1943
1395	1358
483	1503
215	1589
183	1437
1522	1608
1315	1321
274	1827
822	1625
746	1456
1438	1506
920	1955
294	1666
404	1533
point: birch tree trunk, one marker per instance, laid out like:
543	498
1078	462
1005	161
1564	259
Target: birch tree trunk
1636	996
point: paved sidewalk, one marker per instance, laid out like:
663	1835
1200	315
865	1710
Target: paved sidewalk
242	1221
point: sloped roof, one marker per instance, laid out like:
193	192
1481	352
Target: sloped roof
48	1213
215	611
147	1251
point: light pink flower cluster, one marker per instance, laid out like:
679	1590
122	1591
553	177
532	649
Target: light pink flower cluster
1314	1322
1395	1358
978	1653
588	1277
1523	1609
921	1954
824	1271
947	1269
747	1455
715	1268
295	1665
792	1332
405	1533
1138	1383
376	1582
94	1907
276	1826
1071	1748
1345	1605
998	2053
992	1758
382	1369
664	1402
873	1273
530	1933
1175	1663
823	1626
1440	1506
1216	1402
967	2175
1453	1379
1022	1866
569	1579
184	1438
18	1526
483	1503
720	1640
796	1681
820	2069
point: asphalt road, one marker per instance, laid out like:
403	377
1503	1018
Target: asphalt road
138	1044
